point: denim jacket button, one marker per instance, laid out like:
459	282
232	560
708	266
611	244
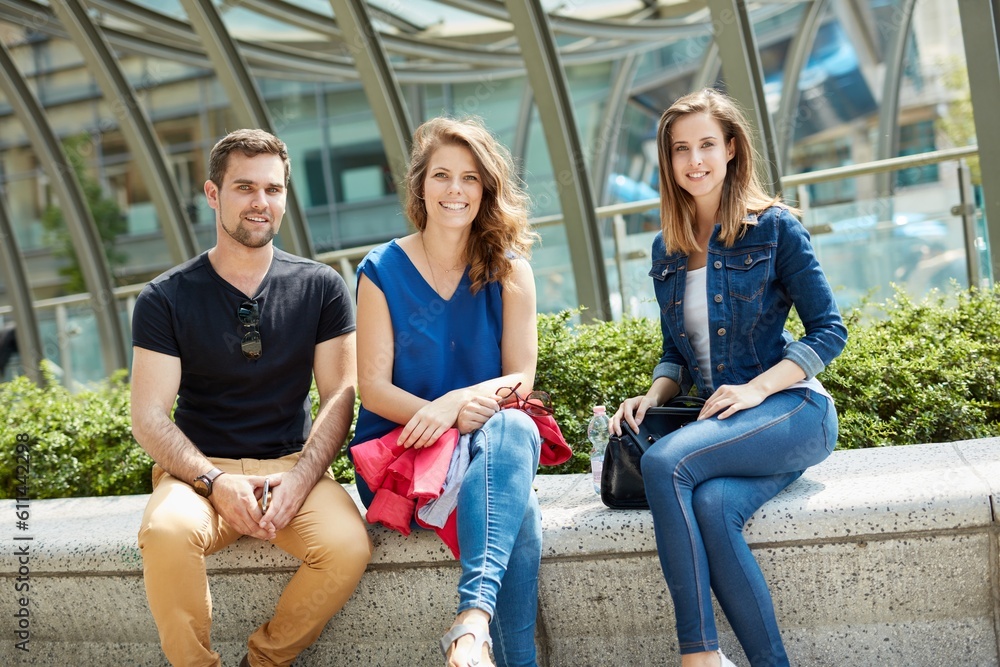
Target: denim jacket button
748	260
717	264
718	298
720	367
664	272
721	332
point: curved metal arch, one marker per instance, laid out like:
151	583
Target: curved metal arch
172	39
379	83
233	74
888	120
745	81
76	213
548	82
135	125
798	53
617	29
519	148
981	37
29	341
708	71
611	121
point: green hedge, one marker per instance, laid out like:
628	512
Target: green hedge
912	372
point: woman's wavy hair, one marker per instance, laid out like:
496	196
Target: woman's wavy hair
500	231
742	192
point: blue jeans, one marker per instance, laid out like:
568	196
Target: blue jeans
500	554
500	534
703	483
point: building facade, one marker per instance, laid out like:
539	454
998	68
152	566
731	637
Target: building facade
109	108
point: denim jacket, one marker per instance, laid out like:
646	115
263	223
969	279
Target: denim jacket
751	287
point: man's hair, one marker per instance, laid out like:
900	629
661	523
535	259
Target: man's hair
250	143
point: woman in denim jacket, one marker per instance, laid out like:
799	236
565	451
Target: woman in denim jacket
728	266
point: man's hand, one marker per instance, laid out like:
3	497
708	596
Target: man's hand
235	499
288	492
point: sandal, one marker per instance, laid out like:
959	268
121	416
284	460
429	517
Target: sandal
480	635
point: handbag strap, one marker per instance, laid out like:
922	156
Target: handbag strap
686	402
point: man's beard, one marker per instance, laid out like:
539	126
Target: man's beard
245	236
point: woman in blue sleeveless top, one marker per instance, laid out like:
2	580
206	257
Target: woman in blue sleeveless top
446	320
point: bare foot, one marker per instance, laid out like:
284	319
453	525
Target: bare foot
462	653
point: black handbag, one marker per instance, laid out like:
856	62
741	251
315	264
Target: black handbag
621	479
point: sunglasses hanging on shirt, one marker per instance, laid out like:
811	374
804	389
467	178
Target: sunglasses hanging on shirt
249	316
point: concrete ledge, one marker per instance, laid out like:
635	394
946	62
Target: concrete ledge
875	557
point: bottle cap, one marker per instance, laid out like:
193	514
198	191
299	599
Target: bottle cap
599	410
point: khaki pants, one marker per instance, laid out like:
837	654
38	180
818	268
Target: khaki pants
179	528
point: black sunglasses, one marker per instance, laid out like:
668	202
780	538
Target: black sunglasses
249	316
537	403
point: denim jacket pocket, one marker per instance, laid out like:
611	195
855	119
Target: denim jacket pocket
746	273
662	269
663	274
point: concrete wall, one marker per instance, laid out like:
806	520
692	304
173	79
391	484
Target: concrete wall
875	557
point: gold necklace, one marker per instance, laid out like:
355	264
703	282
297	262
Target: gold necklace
430	264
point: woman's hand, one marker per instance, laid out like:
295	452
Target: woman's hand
731	398
476	413
632	410
431	421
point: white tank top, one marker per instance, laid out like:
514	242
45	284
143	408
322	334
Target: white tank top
696	328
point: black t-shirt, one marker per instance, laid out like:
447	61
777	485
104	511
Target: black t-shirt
228	405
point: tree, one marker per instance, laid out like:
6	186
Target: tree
108	217
958	124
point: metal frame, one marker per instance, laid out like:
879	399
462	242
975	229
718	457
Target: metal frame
708	70
745	81
248	104
29	341
525	109
611	121
548	83
980	30
888	120
380	86
83	231
798	54
135	125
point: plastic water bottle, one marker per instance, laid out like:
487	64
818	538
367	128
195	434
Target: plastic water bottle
598	434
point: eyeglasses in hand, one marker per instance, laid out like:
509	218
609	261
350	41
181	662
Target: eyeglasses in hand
249	316
537	403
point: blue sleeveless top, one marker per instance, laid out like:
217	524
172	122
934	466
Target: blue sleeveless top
439	345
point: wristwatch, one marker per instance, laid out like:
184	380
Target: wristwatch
203	483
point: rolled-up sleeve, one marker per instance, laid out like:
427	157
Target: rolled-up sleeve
810	293
672	364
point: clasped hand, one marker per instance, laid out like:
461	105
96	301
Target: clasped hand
451	410
237	499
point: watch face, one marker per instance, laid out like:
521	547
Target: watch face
201	486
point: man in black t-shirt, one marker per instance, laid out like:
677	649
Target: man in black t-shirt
235	336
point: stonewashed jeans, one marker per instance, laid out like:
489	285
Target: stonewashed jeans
703	483
500	534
